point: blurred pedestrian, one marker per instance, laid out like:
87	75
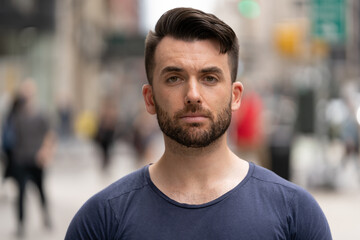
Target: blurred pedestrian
281	134
349	135
198	189
33	150
106	130
145	134
65	116
247	128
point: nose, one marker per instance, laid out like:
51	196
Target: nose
193	95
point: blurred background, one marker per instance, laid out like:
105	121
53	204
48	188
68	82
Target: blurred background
300	114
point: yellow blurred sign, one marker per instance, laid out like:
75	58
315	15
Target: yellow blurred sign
289	38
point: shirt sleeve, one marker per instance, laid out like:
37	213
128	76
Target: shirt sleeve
308	220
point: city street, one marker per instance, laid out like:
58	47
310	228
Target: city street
83	65
75	175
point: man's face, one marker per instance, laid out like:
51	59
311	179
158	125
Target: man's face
192	93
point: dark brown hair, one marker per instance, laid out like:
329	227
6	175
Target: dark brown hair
190	24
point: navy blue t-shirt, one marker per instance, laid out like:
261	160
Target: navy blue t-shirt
262	206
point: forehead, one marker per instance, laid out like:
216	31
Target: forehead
189	54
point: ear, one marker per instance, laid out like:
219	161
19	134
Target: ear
149	98
237	91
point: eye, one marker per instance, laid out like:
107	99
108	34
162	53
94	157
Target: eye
210	79
173	79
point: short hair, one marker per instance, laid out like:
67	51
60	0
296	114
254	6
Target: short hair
190	24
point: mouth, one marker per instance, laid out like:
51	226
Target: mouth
193	117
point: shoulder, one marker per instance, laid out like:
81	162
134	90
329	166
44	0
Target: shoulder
118	191
303	213
101	215
266	179
127	184
277	187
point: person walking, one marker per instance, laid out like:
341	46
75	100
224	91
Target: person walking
198	189
105	136
32	152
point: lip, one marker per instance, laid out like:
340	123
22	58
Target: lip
193	117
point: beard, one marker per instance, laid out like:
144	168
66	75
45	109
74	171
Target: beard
191	135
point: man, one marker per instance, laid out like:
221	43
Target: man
198	189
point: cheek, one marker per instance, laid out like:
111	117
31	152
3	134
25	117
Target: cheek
167	102
222	99
171	98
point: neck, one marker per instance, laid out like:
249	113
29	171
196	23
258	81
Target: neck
205	173
195	159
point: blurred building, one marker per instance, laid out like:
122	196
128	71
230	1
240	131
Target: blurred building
26	45
82	50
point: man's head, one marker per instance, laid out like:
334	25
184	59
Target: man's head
189	24
191	64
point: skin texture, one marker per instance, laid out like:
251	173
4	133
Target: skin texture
192	95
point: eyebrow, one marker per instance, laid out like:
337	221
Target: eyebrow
212	70
205	70
171	69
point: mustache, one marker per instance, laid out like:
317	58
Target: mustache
194	108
